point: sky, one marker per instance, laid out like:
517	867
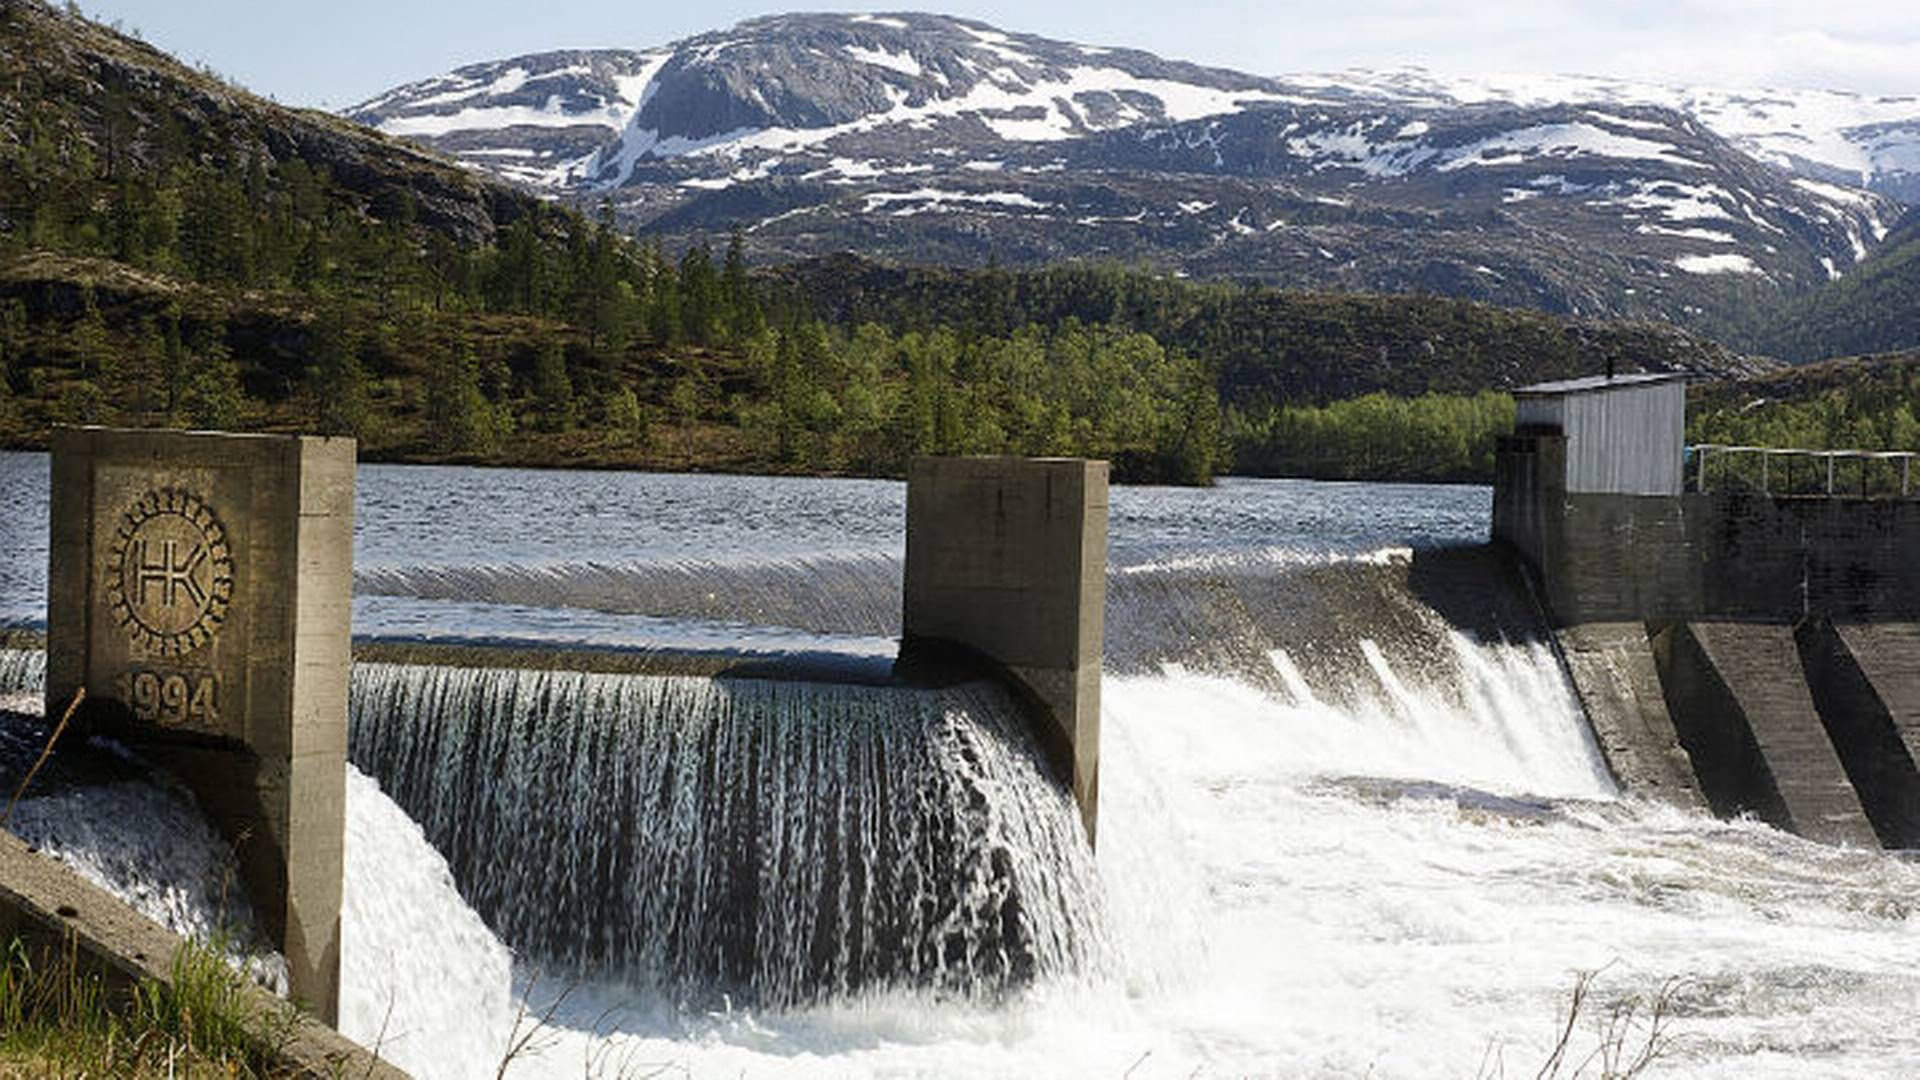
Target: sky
342	52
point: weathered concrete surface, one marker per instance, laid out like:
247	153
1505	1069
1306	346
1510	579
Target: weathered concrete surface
1866	683
1613	672
1740	703
1007	558
43	901
1615	558
200	589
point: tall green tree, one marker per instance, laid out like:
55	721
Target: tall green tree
212	395
552	388
459	417
336	381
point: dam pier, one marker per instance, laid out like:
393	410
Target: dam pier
1736	639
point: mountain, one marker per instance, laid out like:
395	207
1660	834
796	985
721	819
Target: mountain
926	138
1829	136
177	252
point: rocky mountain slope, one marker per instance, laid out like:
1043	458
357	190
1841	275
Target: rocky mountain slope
934	139
73	87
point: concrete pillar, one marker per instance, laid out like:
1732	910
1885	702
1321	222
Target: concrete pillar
1865	679
1612	670
1007	562
200	589
1739	697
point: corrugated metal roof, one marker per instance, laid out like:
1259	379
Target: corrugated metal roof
1599	382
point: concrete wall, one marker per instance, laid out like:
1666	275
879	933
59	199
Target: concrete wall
50	908
1730	555
1816	731
1007	559
200	590
1612	668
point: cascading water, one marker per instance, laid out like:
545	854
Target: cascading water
777	841
23	678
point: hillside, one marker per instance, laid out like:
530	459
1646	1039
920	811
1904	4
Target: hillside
931	139
1855	403
83	103
1872	309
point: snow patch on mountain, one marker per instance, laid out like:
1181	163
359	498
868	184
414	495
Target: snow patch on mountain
1865	140
925	200
1718	263
1562	141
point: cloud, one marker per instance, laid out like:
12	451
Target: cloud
1807	58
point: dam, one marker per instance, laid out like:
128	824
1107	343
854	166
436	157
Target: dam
1736	637
1349	804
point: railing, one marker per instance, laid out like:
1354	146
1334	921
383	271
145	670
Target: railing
1864	474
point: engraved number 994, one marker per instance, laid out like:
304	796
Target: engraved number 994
171	699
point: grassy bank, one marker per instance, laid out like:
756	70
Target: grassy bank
60	1018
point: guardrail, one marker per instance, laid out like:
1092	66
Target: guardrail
1863	474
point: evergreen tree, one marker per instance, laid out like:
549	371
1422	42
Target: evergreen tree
212	397
552	388
699	295
92	351
459	418
744	318
336	381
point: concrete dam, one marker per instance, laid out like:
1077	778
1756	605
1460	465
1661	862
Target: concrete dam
1750	645
697	786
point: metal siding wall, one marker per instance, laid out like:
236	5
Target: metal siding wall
1626	441
1541	411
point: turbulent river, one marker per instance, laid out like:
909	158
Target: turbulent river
1351	821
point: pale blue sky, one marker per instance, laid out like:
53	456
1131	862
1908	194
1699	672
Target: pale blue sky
341	52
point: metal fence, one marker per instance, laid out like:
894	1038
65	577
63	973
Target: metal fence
1855	474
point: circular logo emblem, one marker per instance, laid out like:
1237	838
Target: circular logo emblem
170	573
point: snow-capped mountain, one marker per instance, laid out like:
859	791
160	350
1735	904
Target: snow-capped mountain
789	85
1857	140
929	138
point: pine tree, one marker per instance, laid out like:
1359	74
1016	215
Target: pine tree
92	351
459	419
744	318
336	381
212	398
699	295
552	389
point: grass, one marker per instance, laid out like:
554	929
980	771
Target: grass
61	1018
1627	1038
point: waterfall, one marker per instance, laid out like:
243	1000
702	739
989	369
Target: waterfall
777	842
23	679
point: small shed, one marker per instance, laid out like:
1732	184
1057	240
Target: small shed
1626	434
